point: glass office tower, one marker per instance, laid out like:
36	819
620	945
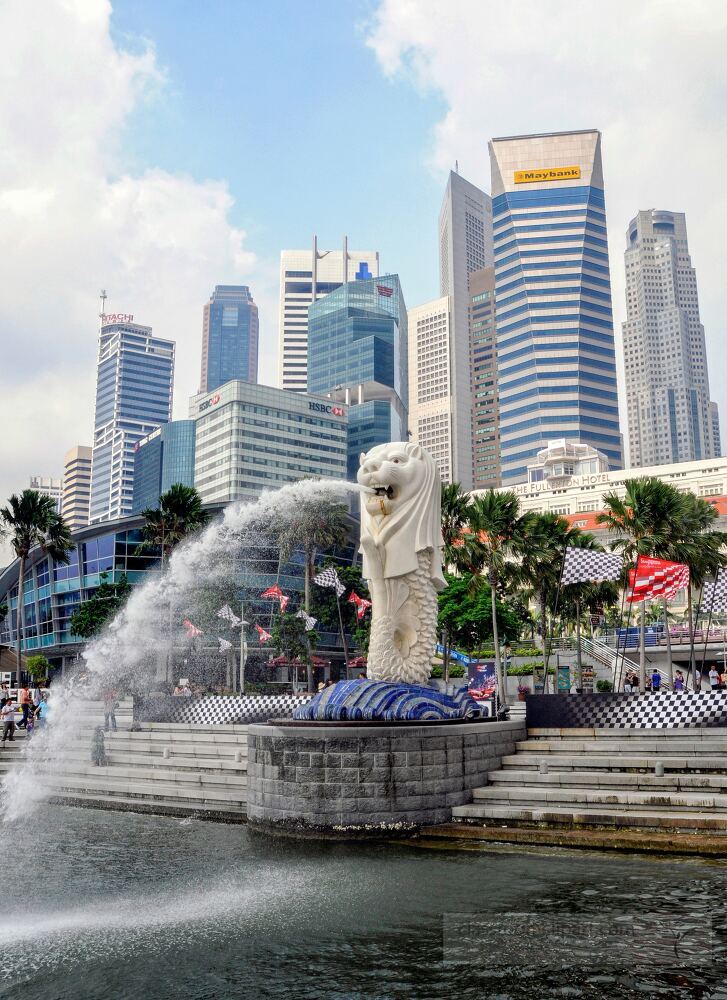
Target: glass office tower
357	355
555	345
134	383
229	337
161	459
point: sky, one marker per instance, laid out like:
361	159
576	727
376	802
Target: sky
156	149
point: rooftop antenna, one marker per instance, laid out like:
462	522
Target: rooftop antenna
103	296
456	166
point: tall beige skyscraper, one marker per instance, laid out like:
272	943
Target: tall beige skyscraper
483	366
431	403
305	277
465	245
76	500
670	416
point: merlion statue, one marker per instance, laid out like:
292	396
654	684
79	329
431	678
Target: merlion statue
401	543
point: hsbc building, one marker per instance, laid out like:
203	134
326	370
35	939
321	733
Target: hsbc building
253	437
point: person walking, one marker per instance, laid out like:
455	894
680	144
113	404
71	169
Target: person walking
109	710
25	703
7	717
656	681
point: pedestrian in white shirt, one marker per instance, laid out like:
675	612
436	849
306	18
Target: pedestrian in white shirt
7	717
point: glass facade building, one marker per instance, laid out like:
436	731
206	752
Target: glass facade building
483	365
162	458
357	356
135	379
229	337
250	438
555	344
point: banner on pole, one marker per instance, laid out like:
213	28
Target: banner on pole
656	578
481	680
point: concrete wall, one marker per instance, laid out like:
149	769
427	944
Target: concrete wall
368	780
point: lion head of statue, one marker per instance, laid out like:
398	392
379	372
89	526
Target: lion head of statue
400	510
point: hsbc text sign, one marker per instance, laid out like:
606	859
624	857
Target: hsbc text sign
335	411
209	402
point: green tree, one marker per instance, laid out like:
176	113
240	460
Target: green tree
647	520
324	608
316	526
455	514
496	539
180	513
91	616
30	519
465	612
38	667
291	639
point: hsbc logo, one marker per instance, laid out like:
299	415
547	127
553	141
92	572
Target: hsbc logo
209	402
335	411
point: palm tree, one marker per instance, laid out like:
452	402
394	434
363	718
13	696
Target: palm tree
455	511
548	537
31	519
497	538
317	526
647	520
180	513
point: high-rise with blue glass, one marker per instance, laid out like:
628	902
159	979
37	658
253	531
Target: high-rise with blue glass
357	355
134	383
556	361
161	459
229	337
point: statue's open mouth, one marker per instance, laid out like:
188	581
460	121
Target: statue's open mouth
384	491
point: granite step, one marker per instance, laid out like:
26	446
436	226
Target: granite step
615	762
152	804
578	816
106	785
695	733
607	779
203	750
539	795
632	745
151	774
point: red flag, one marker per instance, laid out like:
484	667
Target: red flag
656	578
277	594
262	634
191	629
362	605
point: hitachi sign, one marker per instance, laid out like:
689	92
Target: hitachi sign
107	318
335	411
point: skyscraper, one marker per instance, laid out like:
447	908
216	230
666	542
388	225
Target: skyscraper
305	277
357	355
465	245
161	459
75	502
51	487
134	382
431	403
555	344
670	416
229	337
483	366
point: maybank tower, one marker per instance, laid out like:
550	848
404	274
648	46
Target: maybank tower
555	345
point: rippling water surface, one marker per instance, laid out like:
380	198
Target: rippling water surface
98	905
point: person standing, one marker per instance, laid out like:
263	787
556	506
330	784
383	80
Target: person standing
7	717
109	710
656	681
25	703
714	678
4	694
679	681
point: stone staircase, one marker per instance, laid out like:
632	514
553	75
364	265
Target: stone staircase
173	768
656	779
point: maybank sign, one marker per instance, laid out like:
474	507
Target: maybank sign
546	174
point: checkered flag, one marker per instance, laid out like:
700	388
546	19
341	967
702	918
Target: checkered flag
329	578
587	566
310	623
224	644
714	594
228	615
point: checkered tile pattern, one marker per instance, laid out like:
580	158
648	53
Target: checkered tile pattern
237	709
714	595
586	566
687	710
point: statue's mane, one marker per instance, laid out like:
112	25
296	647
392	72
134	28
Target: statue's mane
414	526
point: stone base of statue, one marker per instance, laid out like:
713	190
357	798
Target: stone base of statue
371	759
364	700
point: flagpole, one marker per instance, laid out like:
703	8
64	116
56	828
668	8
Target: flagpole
618	672
243	651
709	625
642	634
692	630
343	632
628	625
547	645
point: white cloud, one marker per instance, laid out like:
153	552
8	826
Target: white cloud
74	219
649	75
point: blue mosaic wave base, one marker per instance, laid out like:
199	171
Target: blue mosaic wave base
363	700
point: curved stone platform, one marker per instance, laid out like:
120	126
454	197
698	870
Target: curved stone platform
368	780
364	700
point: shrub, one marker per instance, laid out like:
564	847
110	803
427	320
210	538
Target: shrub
604	686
